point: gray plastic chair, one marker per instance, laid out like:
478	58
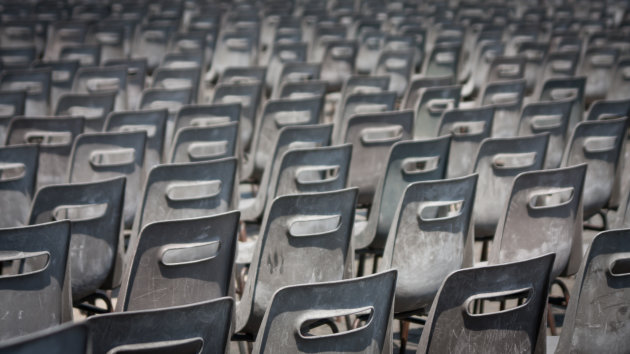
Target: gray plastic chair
542	214
297	72
18	173
608	109
62	77
443	61
432	103
243	75
598	144
153	122
66	339
372	135
620	85
361	103
408	162
11	105
86	54
295	309
595	317
193	256
235	47
290	137
150	43
249	96
598	66
430	237
282	53
63	33
35	288
398	65
98	156
54	136
94	107
468	128
207	115
213	142
563	89
178	78
338	62
453	327
305	238
418	86
550	117
507	99
136	77
305	89
103	79
203	327
95	212
558	65
36	83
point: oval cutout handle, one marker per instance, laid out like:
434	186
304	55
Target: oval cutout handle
12	171
551	198
172	106
207	149
439	105
468	129
620	266
209	121
563	93
20	264
599	144
86	112
362	89
546	121
189	253
112	157
504	98
174	83
79	212
245	101
314	225
440	210
147	128
508	70
188	191
379	135
417	165
31	87
291	117
314	318
297	76
520	294
7	110
49	139
561	66
237	44
444	58
602	60
513	161
102	84
395	64
370	108
317	174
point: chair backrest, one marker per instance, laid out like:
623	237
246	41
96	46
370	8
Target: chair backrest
398	64
607	109
468	128
192	256
443	61
372	135
408	162
598	144
620	85
542	214
207	115
36	83
212	142
507	99
55	137
338	61
98	156
178	78
417	87
18	173
282	53
151	41
171	99
35	280
103	79
293	309
186	190
86	54
504	68
236	47
203	327
71	338
361	103
452	326
550	117
572	88
498	162
153	122
95	212
136	77
432	103
94	107
297	72
597	308
302	89
304	237
62	77
249	96
433	218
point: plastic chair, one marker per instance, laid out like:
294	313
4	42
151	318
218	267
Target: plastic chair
198	328
94	107
566	89
620	85
306	89
304	237
361	103
86	54
18	173
178	78
282	53
468	128
136	76
507	99
67	339
36	83
598	65
249	96
64	33
62	77
296	72
150	43
35	281
196	254
432	103
418	86
192	144
235	47
103	79
452	325
299	308
338	62
398	64
95	212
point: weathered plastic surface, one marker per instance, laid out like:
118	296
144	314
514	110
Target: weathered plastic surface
12	105
136	77
103	79
361	103
295	306
418	86
18	173
192	256
507	99
597	315
94	107
431	105
95	211
207	115
598	70
543	214
197	328
431	236
409	161
35	284
398	64
572	88
305	238
66	339
498	162
249	96
36	83
192	144
451	327
55	138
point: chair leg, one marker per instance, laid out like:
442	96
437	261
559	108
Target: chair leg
361	267
375	264
485	244
551	321
404	335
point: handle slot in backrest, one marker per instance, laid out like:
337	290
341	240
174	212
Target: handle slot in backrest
188	191
86	112
31	87
504	98
444	58
107	38
602	60
310	323
147	128
341	52
287	55
49	139
508	70
172	106
244	100
314	225
370	108
297	77
188	345
439	105
102	84
17	264
363	89
513	161
440	210
303	145
563	93
189	253
12	171
174	83
60	76
560	66
112	157
395	63
242	79
598	144
237	44
551	198
7	110
209	121
510	299
207	149
386	134
291	117
154	36
79	212
546	121
416	165
620	266
316	174
462	129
